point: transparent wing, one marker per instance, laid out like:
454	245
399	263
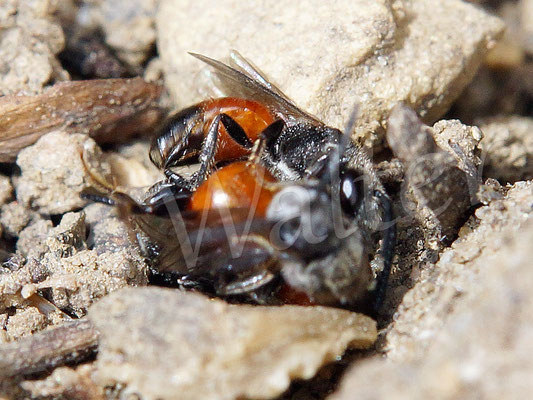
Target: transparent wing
238	62
225	248
248	82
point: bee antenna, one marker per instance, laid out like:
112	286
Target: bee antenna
345	138
351	120
338	150
387	249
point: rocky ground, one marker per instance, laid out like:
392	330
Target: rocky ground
78	318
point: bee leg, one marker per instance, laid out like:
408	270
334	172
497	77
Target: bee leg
386	250
156	204
165	193
235	131
207	154
206	159
271	134
178	180
186	281
256	266
264	147
119	199
246	285
98	198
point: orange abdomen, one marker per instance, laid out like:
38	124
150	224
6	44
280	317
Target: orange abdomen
249	186
288	295
252	116
237	185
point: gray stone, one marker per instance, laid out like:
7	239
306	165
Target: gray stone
441	178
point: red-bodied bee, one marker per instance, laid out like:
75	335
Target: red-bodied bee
244	233
321	179
296	146
225	128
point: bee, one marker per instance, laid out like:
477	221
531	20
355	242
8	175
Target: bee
225	128
296	146
244	233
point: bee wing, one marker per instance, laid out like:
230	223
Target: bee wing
248	82
224	247
241	64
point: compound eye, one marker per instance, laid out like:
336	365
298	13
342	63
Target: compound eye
351	191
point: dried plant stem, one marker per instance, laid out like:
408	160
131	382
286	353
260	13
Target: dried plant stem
70	342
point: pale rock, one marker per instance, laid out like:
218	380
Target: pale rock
6	189
52	172
464	329
329	56
158	342
73	269
128	26
508	147
29	42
